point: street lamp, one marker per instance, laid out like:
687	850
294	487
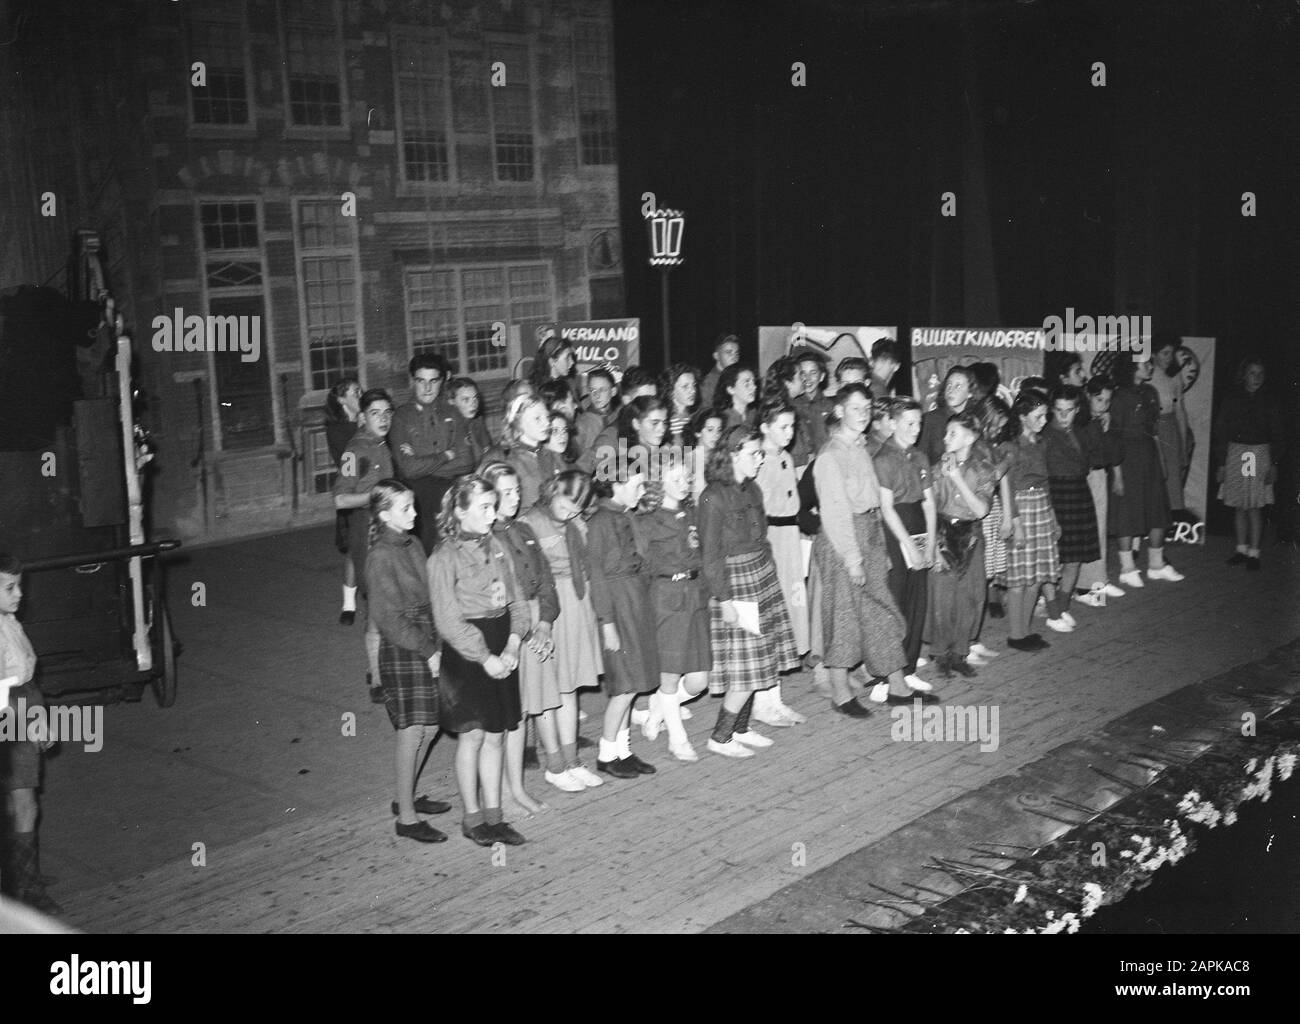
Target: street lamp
666	230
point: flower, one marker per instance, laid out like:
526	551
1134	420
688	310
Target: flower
1092	897
1021	893
1285	766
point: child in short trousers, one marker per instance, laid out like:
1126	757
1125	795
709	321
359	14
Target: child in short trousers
20	758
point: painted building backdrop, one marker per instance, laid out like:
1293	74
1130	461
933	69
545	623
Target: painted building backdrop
477	140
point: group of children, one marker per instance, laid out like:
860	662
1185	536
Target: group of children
643	540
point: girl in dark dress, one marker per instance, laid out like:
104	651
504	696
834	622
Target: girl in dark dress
620	592
482	619
735	396
1140	498
1250	434
669	541
408	647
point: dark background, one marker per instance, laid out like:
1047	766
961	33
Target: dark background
821	203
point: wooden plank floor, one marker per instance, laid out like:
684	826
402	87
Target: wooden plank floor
253	763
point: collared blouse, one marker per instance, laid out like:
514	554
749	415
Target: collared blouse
398	586
846	486
472	578
903	471
732	522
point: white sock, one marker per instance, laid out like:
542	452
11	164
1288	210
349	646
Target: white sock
672	712
624	743
349	598
608	750
1126	562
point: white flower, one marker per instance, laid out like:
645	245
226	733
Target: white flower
1230	818
1285	766
1250	765
1092	897
1010	931
961	931
1021	893
1071	923
1055	926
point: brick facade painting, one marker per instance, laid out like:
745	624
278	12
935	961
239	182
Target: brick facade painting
368	179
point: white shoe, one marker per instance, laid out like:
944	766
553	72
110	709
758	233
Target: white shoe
879	692
922	662
1110	590
752	739
586	776
684	753
977	661
793	715
729	749
914	682
1165	572
771	716
1132	579
565	781
1060	625
1094	598
979	650
1070	619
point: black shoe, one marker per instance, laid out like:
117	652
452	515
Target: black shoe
1022	644
1237	558
346	618
620	769
962	667
643	767
997	610
423	805
481	834
1252	564
1037	640
421	832
506	834
915	695
852	709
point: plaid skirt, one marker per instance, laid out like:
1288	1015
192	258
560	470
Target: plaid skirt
1243	479
995	548
1038	561
1077	514
410	690
860	624
742	662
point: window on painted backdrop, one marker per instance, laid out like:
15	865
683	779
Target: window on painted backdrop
423	107
512	114
594	80
313	62
234	285
217	39
327	271
454	311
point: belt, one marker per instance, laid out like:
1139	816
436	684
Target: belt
782	520
677	577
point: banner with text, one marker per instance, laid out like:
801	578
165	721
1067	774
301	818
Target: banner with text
615	344
1016	351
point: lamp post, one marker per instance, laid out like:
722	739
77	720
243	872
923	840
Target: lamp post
666	230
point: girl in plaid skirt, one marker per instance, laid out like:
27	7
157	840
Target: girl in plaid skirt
1032	560
739	570
1070	455
408	647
